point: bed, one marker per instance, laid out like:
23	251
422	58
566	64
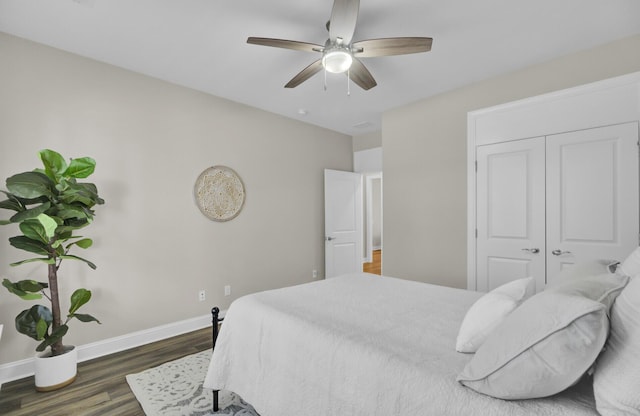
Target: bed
360	344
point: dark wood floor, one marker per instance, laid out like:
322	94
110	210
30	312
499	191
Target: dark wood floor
375	266
101	388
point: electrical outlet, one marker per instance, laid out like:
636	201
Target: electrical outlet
202	296
314	274
227	290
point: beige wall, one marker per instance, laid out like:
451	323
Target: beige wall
425	160
367	141
151	140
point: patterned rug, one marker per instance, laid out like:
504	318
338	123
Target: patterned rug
175	389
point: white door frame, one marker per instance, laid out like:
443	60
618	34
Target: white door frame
369	178
611	101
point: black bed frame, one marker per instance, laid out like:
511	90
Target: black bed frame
215	312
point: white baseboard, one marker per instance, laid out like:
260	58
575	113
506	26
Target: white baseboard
25	368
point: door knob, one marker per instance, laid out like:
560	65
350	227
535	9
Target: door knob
557	252
532	250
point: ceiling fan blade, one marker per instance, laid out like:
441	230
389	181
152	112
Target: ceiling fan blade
286	44
359	74
305	74
344	16
390	46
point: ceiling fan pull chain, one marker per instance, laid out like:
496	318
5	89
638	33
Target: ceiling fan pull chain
325	79
348	83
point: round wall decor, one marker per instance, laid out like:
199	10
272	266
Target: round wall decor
219	193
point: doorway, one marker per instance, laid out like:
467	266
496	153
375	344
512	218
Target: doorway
373	224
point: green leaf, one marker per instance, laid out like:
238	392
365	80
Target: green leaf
91	190
72	226
57	334
79	298
27	244
84	243
42	346
44	260
54	163
31	285
49	225
53	338
83	317
30	185
25	201
81	167
41	329
5	222
27	320
34	230
67	211
59	242
11	204
25	288
81	193
72	257
30	213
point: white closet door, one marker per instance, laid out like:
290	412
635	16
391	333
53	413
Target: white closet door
510	216
592	195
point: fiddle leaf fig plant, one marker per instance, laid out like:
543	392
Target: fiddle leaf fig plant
50	205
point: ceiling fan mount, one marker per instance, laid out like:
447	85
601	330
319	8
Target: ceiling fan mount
340	54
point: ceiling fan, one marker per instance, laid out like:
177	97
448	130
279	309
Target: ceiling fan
339	54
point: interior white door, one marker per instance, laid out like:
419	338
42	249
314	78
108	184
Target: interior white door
510	213
592	195
342	222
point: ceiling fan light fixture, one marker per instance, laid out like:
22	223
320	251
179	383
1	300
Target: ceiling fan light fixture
337	61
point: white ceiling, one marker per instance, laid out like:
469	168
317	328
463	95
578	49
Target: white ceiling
201	44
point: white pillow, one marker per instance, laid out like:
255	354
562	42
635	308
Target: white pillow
631	265
547	343
616	382
489	311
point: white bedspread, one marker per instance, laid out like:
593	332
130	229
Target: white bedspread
359	345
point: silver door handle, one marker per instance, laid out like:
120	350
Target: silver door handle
330	238
557	252
532	250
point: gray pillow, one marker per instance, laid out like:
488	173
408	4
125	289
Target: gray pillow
603	288
546	344
616	382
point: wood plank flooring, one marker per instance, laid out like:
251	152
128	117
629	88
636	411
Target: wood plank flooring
375	266
101	388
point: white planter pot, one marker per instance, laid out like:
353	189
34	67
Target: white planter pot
54	373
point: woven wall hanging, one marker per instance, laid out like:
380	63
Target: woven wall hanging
219	193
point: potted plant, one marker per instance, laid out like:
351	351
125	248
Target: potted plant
49	205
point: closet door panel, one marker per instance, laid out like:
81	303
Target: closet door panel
592	196
510	218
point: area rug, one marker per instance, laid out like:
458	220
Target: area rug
175	389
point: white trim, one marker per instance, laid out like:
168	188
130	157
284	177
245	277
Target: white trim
471	204
610	101
25	368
